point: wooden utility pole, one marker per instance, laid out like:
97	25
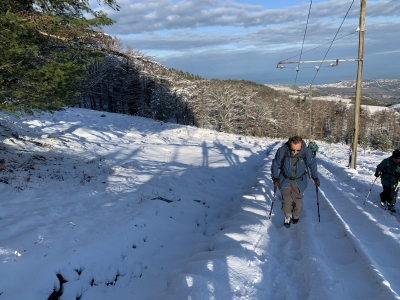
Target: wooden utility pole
358	83
298	124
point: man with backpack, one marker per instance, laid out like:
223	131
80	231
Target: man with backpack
292	163
389	171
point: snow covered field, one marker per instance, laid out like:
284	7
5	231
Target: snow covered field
287	88
122	207
327	98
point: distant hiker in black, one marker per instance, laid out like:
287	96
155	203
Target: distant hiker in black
350	153
289	173
389	170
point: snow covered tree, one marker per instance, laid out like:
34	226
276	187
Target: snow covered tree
380	140
364	143
384	128
201	104
227	107
334	117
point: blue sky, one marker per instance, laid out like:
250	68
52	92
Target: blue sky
246	39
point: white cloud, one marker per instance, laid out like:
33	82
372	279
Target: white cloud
388	52
170	29
146	16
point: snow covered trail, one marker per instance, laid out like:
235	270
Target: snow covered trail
293	269
310	260
234	257
312	257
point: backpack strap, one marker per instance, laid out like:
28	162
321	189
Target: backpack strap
389	167
292	156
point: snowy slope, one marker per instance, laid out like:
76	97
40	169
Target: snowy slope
121	207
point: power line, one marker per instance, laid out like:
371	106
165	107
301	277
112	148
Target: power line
322	45
337	32
305	31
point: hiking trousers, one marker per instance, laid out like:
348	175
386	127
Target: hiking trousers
292	200
388	195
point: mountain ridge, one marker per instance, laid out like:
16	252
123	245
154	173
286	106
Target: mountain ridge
385	90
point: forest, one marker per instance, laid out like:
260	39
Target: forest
52	56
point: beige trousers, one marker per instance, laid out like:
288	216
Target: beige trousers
292	205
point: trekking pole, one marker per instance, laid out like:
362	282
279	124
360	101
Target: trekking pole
272	205
397	186
319	217
370	190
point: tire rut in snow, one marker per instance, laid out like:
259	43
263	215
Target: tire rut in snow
357	231
355	185
284	261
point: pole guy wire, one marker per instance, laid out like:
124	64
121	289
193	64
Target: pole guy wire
321	46
305	31
337	32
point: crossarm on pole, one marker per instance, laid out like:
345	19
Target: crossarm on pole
315	61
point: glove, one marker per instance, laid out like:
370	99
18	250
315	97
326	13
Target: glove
316	181
378	173
276	182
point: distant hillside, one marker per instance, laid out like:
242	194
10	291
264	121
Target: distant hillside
385	90
130	83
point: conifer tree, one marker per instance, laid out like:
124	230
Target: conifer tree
45	47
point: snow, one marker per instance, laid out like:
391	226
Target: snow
291	89
332	98
374	109
122	207
396	106
327	98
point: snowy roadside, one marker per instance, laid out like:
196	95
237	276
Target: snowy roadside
114	204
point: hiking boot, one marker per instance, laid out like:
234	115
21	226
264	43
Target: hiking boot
391	208
286	222
294	221
383	204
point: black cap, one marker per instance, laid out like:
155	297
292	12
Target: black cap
396	153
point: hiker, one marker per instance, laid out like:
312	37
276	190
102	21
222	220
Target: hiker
289	171
389	171
313	147
350	153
